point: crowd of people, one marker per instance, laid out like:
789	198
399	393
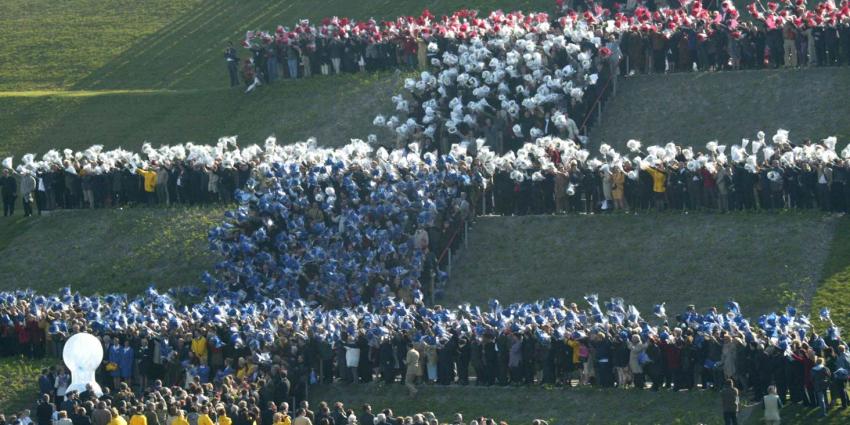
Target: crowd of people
249	352
344	226
97	178
349	225
767	175
654	36
331	258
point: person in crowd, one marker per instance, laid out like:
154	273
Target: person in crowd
731	403
772	406
8	191
231	58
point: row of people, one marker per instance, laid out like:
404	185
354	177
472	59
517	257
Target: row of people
550	342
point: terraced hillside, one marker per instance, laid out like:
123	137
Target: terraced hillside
693	108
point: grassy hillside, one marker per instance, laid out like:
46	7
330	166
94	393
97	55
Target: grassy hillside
519	405
105	251
81	72
19	383
522	405
835	286
145	44
333	109
762	261
693	108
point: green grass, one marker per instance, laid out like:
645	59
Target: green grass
763	261
693	108
89	44
333	109
522	405
110	250
19	383
833	291
81	72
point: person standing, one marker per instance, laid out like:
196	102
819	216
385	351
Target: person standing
9	192
293	58
232	60
789	36
161	188
772	405
149	174
27	192
730	400
840	368
413	370
821	376
138	417
301	418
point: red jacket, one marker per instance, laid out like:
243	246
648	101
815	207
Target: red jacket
23	335
672	355
707	179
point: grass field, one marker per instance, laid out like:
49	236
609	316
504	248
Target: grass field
110	250
835	285
727	106
560	406
76	73
522	405
760	260
333	109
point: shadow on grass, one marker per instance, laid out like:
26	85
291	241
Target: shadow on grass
834	290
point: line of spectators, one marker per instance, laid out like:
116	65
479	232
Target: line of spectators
220	347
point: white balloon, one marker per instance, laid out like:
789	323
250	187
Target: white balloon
83	354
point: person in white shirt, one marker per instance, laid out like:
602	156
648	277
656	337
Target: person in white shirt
772	405
62	419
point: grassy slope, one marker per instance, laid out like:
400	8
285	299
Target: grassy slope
835	287
727	106
19	383
87	44
107	250
760	260
522	405
320	107
558	406
160	76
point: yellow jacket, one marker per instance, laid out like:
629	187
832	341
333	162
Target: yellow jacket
150	179
204	419
118	420
285	421
180	420
659	180
138	420
574	345
224	420
199	347
245	372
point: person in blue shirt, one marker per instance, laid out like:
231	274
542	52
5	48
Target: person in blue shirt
114	356
125	363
